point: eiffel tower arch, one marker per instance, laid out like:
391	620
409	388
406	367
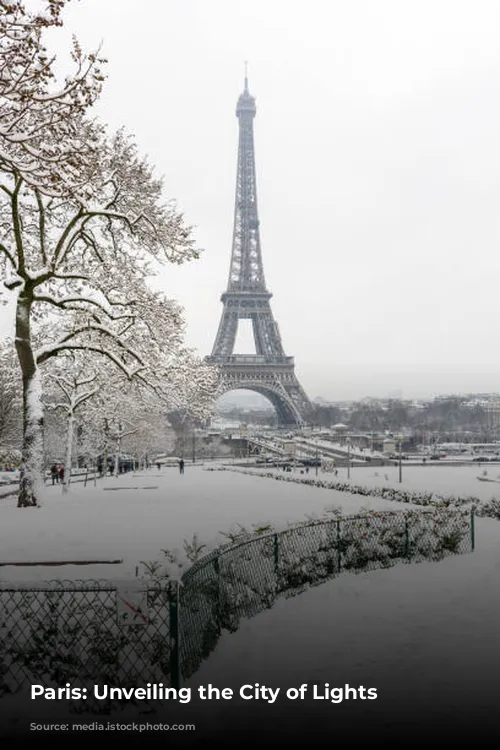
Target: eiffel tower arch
269	371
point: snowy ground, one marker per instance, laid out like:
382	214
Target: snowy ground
413	631
104	522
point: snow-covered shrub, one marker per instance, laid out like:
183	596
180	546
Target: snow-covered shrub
489	509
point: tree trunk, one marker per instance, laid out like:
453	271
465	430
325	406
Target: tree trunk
117	457
31	474
69	452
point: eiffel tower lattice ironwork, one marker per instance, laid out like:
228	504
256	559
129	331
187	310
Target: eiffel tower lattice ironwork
269	372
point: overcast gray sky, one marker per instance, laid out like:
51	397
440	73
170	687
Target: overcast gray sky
378	160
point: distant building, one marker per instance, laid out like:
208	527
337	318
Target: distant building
389	445
493	414
396	395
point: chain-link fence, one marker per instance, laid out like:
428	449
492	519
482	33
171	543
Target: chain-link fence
242	579
86	633
93	632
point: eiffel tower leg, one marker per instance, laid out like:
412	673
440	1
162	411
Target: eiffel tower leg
226	335
266	335
293	405
286	415
289	401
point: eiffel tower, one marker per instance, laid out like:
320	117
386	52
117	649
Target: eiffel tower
268	372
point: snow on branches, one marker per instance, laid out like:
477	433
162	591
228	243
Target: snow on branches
42	135
83	226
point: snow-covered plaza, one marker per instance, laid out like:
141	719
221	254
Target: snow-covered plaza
135	516
376	628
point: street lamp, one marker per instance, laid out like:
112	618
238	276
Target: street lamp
400	437
348	458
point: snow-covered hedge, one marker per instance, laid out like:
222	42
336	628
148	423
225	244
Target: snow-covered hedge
489	509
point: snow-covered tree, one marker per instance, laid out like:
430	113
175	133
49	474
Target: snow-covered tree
74	379
54	433
83	225
132	415
107	408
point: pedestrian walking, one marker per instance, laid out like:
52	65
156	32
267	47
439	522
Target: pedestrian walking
61	473
54	474
181	466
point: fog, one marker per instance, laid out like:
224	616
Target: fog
377	159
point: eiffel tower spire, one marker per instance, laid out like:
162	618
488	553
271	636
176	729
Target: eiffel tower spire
246	271
269	372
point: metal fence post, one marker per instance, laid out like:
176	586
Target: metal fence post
472	529
217	600
407	538
339	547
276	555
173	607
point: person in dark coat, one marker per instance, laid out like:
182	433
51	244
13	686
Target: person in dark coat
181	466
54	474
61	473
